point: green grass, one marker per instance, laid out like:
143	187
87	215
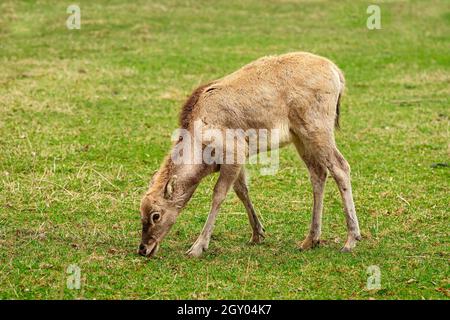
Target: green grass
86	117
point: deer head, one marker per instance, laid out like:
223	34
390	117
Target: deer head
158	213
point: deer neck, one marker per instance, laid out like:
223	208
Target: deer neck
188	179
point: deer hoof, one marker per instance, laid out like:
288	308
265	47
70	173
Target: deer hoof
351	243
346	249
257	237
309	243
195	251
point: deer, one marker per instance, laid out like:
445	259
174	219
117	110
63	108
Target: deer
297	93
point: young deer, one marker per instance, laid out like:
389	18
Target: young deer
297	93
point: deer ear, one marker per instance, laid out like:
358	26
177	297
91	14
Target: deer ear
170	187
152	180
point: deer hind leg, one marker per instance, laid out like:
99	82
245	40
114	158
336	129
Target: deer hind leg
340	170
241	189
319	149
318	175
227	176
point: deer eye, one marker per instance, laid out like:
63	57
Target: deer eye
155	217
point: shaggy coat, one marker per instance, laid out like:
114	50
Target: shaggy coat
297	93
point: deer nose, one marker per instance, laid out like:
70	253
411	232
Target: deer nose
142	250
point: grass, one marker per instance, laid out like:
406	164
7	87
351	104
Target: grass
86	117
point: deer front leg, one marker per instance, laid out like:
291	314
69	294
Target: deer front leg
241	189
228	174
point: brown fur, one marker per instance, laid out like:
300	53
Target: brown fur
298	93
188	107
161	177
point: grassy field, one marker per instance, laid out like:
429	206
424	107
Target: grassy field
86	117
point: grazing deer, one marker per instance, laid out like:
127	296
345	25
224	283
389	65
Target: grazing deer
296	93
